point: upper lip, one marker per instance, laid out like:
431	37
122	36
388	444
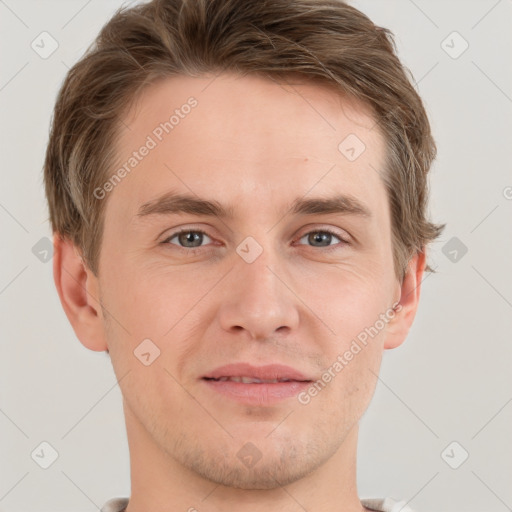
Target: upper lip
267	372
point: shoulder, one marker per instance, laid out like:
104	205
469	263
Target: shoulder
115	505
386	505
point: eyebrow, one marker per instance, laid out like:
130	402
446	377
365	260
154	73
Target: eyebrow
183	203
171	202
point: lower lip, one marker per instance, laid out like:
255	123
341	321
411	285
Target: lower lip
257	393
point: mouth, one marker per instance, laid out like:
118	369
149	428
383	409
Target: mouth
260	386
253	380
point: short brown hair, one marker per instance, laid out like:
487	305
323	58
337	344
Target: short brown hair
326	41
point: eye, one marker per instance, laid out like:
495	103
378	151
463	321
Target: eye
188	238
322	238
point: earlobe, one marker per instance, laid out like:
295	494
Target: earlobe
398	327
78	292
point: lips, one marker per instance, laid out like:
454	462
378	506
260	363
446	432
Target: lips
250	380
248	374
258	386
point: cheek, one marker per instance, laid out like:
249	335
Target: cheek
159	302
146	307
346	299
150	299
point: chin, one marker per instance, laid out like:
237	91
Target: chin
265	476
249	468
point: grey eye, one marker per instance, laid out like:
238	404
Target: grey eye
320	238
189	238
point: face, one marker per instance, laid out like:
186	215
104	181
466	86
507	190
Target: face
287	263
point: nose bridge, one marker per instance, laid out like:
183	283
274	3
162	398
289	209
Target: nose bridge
259	301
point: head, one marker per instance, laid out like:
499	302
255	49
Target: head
278	121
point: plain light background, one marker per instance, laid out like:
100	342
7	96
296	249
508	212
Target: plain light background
450	381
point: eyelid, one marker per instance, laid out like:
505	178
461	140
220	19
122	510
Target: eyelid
185	230
170	233
341	234
202	250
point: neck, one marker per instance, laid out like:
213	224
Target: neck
159	482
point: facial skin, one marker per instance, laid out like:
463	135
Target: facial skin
254	146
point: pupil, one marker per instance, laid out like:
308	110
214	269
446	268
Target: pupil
320	237
190	237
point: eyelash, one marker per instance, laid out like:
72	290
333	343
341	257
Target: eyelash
195	250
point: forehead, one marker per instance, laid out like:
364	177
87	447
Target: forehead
231	137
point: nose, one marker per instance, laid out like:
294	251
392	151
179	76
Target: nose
260	299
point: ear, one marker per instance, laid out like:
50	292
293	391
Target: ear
78	291
398	327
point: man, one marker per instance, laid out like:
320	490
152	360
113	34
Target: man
238	197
